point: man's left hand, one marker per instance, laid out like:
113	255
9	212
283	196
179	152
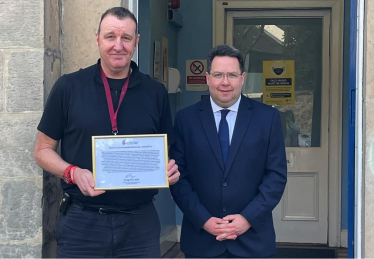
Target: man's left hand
237	222
173	172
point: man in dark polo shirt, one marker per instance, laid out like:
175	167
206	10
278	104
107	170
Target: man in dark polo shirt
98	223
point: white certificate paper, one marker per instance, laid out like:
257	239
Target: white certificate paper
130	161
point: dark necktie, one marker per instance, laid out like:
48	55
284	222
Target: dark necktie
223	133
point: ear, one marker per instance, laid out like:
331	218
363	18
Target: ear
243	77
207	77
137	41
97	39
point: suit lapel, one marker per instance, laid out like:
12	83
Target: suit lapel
209	125
242	121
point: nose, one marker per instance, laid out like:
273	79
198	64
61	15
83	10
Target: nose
225	80
118	46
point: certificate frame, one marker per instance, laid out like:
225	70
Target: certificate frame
122	146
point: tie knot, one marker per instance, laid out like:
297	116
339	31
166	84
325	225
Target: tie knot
224	113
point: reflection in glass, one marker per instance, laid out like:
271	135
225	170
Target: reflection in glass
298	39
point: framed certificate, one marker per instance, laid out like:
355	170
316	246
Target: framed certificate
130	161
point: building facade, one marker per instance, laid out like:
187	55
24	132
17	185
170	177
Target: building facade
330	190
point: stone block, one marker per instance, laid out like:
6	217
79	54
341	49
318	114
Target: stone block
369	86
21	23
80	21
369	209
21	212
20	251
369	177
18	135
1	83
369	120
25	81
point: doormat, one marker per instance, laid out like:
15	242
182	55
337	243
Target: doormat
288	252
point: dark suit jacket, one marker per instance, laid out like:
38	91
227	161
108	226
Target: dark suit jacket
251	183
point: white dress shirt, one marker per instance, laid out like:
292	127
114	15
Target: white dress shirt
231	116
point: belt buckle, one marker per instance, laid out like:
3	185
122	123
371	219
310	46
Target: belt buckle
101	211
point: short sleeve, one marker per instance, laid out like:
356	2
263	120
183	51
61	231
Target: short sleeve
53	121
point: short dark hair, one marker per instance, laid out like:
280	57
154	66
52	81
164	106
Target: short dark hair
225	51
121	13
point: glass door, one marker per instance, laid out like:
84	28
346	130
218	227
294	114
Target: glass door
294	42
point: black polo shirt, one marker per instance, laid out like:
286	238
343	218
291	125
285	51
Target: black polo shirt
77	109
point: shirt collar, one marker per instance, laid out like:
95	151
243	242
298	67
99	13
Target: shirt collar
234	107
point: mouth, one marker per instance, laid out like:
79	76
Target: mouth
225	91
118	55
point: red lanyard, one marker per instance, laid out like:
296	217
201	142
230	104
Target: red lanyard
112	114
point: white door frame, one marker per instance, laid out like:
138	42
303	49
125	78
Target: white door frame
336	82
133	6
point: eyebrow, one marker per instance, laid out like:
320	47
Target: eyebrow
107	32
112	32
226	72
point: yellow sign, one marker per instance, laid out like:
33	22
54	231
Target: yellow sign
279	82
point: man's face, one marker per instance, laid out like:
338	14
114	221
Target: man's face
117	43
225	91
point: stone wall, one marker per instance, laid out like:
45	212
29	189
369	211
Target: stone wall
368	135
80	20
21	104
70	28
38	40
52	71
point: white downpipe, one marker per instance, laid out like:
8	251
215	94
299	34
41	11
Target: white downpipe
359	130
133	7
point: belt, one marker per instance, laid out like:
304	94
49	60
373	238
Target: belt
104	210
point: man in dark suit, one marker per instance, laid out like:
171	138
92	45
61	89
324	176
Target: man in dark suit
231	156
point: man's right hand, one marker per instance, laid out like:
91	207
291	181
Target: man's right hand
47	158
209	226
86	183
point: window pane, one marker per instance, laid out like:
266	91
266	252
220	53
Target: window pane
298	39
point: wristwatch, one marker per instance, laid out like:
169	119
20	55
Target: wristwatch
66	175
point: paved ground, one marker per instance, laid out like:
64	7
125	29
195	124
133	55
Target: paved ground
175	251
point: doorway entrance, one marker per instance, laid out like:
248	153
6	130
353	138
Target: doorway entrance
309	211
303	38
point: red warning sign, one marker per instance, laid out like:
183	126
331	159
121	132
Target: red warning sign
197	68
196	80
195	75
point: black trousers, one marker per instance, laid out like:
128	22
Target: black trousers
89	234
